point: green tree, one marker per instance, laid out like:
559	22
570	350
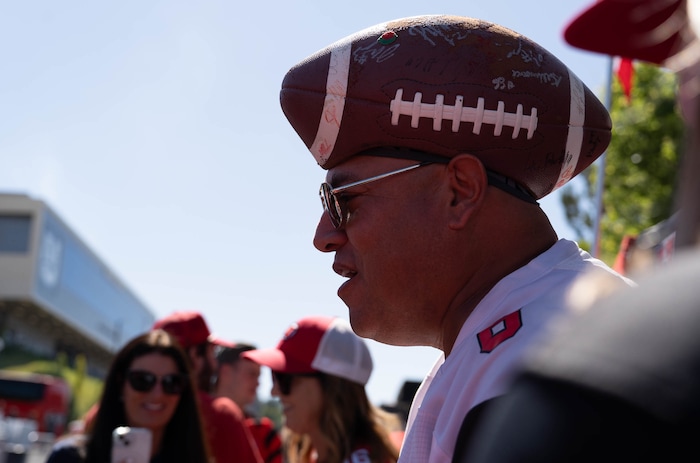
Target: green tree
640	164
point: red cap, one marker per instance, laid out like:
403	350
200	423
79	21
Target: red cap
318	343
189	328
647	30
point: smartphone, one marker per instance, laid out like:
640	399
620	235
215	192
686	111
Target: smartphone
131	445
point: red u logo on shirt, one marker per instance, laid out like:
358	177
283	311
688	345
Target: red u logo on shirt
504	328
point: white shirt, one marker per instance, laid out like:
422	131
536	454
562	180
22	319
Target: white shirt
489	348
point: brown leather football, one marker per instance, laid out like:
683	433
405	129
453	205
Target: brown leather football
448	85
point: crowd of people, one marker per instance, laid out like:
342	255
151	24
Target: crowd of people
195	393
430	207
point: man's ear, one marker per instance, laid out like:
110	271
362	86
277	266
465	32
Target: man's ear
468	182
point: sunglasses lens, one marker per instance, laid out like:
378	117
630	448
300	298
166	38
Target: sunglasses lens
141	381
284	382
173	384
331	204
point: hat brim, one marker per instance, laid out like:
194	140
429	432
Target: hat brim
647	30
276	360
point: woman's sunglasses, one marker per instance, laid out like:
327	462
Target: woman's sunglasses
145	381
284	380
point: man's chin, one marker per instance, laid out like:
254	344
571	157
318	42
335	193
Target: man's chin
363	326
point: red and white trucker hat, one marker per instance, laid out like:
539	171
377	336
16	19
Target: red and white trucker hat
318	343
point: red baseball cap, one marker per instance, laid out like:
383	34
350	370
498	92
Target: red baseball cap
647	30
188	327
318	343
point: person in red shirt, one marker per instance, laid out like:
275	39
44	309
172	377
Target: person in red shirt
238	379
229	438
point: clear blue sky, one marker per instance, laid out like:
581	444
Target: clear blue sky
153	128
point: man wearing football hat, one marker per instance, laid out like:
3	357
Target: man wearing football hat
620	382
440	134
319	369
229	439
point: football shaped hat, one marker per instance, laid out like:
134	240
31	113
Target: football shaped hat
446	85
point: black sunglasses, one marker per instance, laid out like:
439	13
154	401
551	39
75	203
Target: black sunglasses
284	380
145	381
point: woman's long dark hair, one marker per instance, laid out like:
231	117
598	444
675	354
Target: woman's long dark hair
183	439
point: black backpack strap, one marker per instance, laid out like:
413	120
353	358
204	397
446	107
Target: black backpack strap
469	424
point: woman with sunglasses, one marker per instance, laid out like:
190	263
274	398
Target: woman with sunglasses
319	371
149	385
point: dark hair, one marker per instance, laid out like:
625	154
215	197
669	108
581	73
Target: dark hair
184	438
232	355
204	377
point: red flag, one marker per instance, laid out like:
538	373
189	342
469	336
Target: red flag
625	72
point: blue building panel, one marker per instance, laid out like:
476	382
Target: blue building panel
77	287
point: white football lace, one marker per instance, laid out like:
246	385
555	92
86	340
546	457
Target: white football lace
458	114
